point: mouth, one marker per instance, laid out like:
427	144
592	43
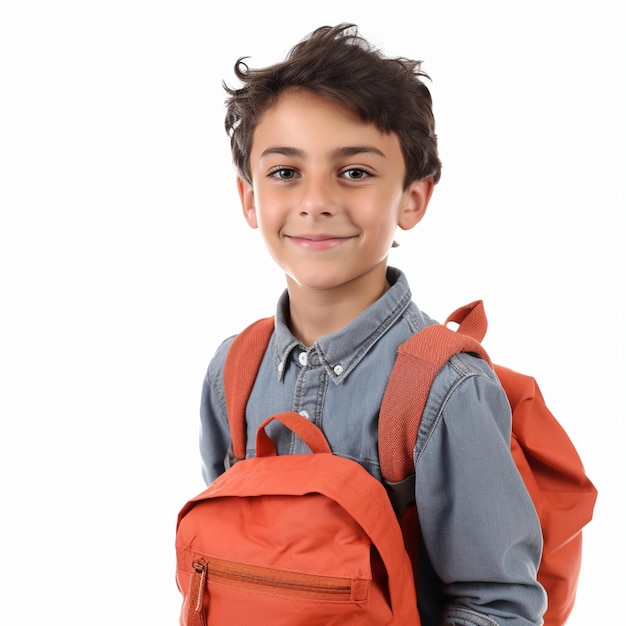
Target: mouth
318	242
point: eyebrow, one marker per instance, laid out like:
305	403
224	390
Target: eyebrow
345	151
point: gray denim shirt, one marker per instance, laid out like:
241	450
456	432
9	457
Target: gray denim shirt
480	536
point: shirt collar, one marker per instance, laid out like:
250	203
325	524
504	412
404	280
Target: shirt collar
341	352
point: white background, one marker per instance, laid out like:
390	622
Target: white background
128	260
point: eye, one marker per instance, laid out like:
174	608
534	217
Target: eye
283	173
355	173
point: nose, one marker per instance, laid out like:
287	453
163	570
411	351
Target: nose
318	198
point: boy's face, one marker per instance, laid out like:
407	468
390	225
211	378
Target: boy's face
327	191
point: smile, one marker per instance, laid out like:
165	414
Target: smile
318	242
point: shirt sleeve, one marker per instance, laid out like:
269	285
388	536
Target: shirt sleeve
214	432
479	526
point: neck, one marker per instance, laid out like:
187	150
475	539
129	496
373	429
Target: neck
318	312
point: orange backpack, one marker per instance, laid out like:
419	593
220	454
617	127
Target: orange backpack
293	539
545	456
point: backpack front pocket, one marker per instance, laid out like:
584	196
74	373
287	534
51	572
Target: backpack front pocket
247	578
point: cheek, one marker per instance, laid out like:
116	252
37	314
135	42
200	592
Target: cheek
379	235
268	217
383	226
384	220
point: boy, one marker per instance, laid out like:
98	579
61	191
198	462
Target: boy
335	148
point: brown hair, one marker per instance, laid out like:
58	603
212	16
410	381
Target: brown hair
339	64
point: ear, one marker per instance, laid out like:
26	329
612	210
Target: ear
246	195
417	197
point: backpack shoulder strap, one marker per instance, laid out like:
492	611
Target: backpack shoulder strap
418	361
240	371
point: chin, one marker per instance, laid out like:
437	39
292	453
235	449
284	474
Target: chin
314	280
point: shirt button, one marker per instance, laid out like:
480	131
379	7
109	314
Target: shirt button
305	414
303	358
338	369
281	365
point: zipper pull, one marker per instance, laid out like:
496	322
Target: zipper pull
196	615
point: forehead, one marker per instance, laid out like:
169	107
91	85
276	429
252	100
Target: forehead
305	101
307	120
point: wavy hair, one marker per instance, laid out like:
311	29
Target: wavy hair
339	64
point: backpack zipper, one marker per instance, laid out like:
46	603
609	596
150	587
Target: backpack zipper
248	577
196	616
